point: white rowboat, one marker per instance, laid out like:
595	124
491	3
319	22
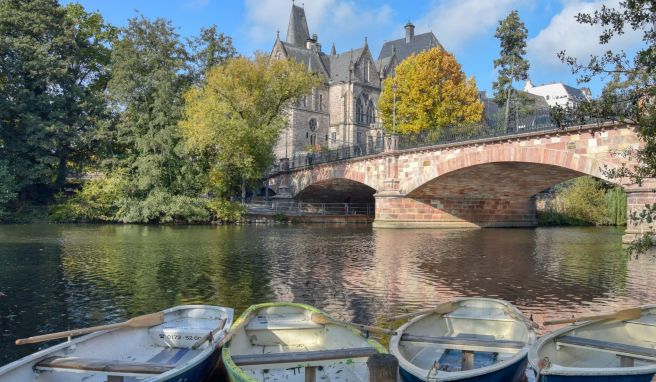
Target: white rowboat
160	353
615	350
468	339
281	342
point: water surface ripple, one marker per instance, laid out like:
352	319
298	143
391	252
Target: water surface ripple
58	277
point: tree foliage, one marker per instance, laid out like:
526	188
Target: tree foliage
53	70
209	49
236	116
511	64
630	96
432	92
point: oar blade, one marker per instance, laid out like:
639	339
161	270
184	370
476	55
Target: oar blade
146	320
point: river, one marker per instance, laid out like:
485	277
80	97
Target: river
56	277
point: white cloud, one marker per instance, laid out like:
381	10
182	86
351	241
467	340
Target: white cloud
457	22
332	20
578	40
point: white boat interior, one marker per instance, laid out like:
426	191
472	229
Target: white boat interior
477	336
602	345
127	355
282	343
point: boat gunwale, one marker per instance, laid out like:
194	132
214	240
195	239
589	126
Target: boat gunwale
239	373
557	369
458	375
190	364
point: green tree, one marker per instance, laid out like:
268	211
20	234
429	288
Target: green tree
150	72
53	69
429	92
511	64
7	187
236	116
208	49
631	95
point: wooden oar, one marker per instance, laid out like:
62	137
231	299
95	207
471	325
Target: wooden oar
233	330
209	336
445	308
146	320
323	320
620	315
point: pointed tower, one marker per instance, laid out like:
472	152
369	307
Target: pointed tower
297	31
333	51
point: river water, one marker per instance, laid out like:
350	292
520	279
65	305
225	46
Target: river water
58	277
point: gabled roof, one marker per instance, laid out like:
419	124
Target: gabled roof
297	31
417	44
315	61
340	64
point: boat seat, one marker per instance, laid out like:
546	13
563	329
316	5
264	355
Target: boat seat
632	351
294	322
305	356
124	368
465	341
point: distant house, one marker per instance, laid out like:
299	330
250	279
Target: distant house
559	94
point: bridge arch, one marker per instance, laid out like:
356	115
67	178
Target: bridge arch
336	190
541	165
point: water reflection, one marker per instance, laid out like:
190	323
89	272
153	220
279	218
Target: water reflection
60	277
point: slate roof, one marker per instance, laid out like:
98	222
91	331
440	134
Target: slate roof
418	43
315	61
297	31
340	64
574	92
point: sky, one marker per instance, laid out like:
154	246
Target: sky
464	27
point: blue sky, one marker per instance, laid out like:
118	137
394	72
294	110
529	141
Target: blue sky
464	27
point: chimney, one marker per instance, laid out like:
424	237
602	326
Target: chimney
409	32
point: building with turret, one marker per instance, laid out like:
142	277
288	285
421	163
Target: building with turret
343	111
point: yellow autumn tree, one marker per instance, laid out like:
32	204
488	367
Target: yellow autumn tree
432	92
234	118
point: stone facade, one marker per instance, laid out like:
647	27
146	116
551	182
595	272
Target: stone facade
344	110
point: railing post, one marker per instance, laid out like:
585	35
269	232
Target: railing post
346	208
323	209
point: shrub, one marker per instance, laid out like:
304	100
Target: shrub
226	211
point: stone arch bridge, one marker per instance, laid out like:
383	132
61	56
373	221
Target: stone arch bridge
487	182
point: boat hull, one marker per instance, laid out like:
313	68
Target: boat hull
597	378
511	373
201	372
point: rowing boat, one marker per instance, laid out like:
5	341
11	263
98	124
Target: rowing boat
181	348
618	350
281	341
468	339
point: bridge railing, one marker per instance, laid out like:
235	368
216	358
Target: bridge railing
539	120
535	120
323	209
373	146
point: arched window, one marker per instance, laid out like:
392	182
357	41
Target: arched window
312	124
371	113
359	111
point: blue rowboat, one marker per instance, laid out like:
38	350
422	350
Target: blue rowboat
468	339
283	342
181	348
599	350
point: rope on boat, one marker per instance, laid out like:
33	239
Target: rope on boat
436	368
